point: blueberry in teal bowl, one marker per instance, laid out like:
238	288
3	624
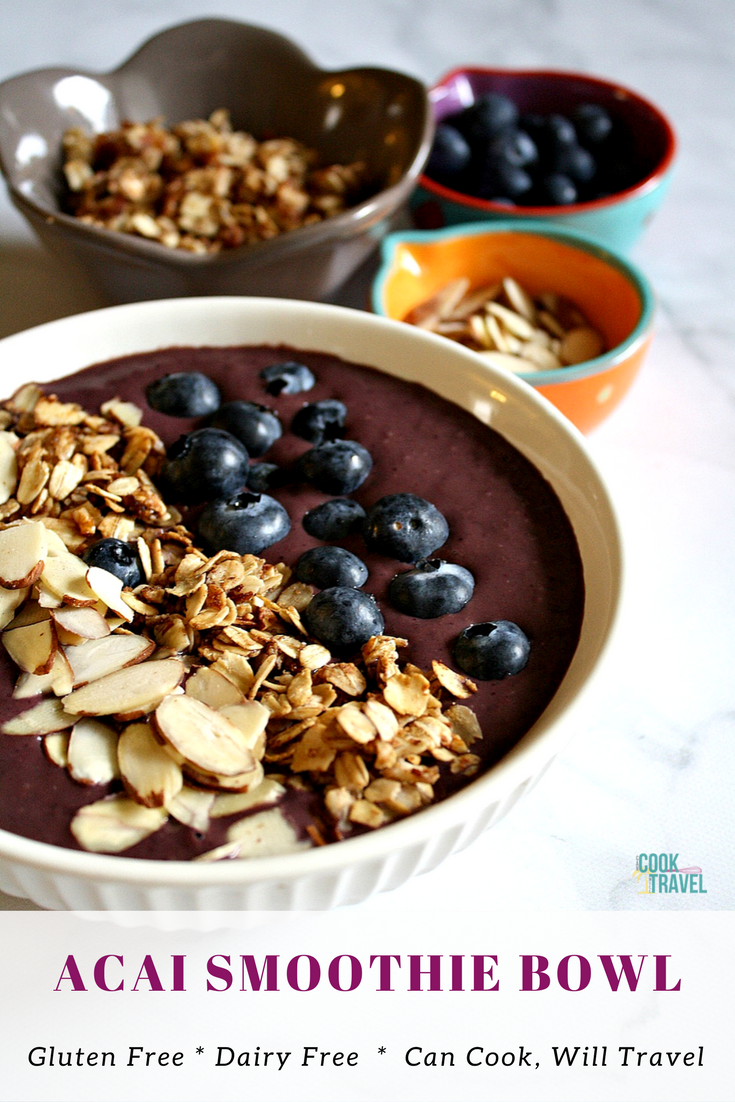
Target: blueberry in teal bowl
570	148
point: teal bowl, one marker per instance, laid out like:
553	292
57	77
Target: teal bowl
617	220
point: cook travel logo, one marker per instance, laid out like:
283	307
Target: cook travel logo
659	874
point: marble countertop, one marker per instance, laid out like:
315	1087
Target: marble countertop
653	770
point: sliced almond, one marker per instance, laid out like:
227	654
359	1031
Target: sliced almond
66	576
59	680
85	623
115	824
513	322
506	361
32	648
266	834
251	719
93	752
230	803
240	782
56	747
109	590
134	690
10	602
212	688
202	737
581	344
519	299
98	657
43	718
23	549
8	467
191	806
30	613
150	775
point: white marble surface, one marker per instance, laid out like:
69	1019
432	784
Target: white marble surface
654	769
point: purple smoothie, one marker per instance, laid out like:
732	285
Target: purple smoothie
506	525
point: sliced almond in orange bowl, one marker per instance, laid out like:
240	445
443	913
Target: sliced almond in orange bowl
150	775
202	737
23	549
136	689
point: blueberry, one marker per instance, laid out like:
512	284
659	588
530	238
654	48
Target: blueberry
255	426
263	477
450	154
337	467
515	147
287	378
433	588
342	619
204	464
246	523
592	123
325	567
404	527
183	394
575	162
320	421
558	190
334	520
492	651
559	132
488	115
118	558
499	180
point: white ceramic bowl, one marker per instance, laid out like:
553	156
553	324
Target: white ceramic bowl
349	872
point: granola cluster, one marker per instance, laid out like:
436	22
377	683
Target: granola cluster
201	186
200	690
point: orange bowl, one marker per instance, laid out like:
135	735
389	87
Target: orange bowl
612	292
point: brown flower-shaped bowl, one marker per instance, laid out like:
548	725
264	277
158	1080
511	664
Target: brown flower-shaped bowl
271	88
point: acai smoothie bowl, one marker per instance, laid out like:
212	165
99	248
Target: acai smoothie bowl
295	601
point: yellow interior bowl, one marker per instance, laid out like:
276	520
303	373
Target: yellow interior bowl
613	294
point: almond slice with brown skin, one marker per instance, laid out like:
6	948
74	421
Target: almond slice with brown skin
251	719
240	782
92	753
30	613
191	806
150	775
59	680
230	803
32	648
66	577
115	824
43	718
212	688
84	623
56	747
23	549
203	738
10	602
8	466
98	657
109	590
134	690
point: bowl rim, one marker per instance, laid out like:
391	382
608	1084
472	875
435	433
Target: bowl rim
547	736
534	228
649	182
346	224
